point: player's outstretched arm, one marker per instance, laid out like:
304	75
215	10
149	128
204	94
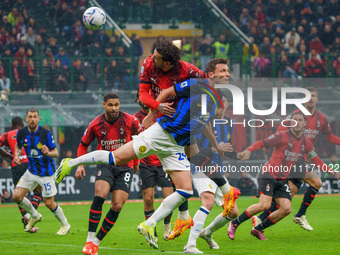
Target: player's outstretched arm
331	138
6	155
322	165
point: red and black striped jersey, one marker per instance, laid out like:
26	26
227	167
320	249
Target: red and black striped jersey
9	139
160	80
153	159
315	123
287	150
111	136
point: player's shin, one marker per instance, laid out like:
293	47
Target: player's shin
168	205
199	220
94	217
93	158
217	223
59	214
27	206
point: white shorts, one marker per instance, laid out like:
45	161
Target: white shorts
202	183
31	181
155	141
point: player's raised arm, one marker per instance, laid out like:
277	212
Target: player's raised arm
227	147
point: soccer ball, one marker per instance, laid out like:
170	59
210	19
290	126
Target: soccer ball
94	18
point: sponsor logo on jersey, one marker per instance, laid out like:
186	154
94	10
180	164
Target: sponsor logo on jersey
142	149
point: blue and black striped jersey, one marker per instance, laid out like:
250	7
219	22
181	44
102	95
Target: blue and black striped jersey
189	119
223	133
39	164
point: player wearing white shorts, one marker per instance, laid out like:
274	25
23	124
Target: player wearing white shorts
166	139
40	149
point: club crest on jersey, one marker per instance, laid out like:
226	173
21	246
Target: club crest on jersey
121	130
39	145
267	188
142	149
318	124
99	173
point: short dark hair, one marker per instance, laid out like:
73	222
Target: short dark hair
169	52
17	122
312	89
211	66
110	95
296	113
32	110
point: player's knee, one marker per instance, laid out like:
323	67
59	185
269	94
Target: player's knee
286	211
264	206
317	184
117	207
207	199
148	201
17	197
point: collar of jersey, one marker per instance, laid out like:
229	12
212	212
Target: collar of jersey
35	131
113	121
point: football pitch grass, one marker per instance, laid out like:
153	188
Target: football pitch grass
284	238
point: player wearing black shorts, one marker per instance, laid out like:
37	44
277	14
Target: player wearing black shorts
111	129
9	139
289	146
151	173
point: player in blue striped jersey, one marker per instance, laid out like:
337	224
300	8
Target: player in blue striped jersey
166	139
40	149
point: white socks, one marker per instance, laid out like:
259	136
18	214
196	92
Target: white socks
183	215
92	158
199	220
216	224
168	205
90	236
225	188
28	207
59	214
96	241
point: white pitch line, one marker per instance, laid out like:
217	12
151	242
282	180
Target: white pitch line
102	248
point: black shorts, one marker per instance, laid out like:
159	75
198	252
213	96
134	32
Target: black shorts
18	171
150	176
272	187
119	177
298	172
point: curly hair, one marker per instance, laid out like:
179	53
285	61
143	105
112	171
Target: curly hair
211	66
169	52
110	95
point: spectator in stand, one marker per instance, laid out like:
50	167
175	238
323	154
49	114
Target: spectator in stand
32	24
320	24
77	34
64	18
48	75
292	34
95	51
320	12
112	76
31	77
80	82
23	43
15	34
277	45
260	16
137	52
298	7
87	40
186	50
6	6
313	33
316	44
301	31
30	36
265	46
336	45
21	26
21	56
245	16
6	198
4	36
159	39
308	14
107	56
262	66
256	34
52	45
39	47
8	26
20	5
13	17
64	60
327	36
314	66
44	36
61	76
327	59
332	8
16	76
291	46
4	81
103	38
123	63
273	10
206	51
279	31
221	47
246	185
50	56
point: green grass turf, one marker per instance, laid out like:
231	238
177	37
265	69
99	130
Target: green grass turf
284	238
